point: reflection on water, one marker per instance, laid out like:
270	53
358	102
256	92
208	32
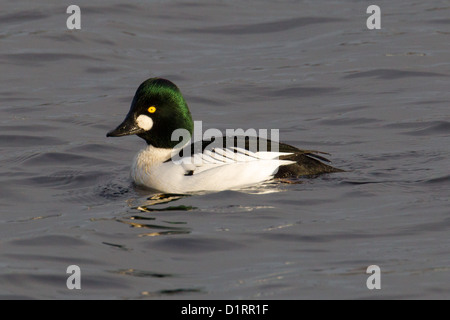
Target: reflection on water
157	203
162	198
165	230
162	227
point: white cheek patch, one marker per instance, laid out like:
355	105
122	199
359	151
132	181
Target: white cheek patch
144	122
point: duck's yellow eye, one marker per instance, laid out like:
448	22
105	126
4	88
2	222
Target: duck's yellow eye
152	109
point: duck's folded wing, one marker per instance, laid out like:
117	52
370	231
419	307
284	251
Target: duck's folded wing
215	157
209	154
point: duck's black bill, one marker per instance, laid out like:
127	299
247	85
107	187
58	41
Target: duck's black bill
126	128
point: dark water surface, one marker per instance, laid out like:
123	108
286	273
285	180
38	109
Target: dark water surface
378	101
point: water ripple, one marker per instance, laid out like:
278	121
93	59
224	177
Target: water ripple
265	27
392	74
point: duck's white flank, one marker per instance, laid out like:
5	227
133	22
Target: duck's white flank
220	169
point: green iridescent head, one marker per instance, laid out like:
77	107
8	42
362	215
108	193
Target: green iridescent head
157	110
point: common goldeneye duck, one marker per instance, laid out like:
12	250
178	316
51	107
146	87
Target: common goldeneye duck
158	109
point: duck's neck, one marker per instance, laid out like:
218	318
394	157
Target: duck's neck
151	155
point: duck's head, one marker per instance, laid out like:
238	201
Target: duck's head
157	110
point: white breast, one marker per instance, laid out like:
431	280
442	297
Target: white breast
223	169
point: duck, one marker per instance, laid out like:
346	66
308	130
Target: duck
172	162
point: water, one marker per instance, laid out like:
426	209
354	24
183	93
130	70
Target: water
378	101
